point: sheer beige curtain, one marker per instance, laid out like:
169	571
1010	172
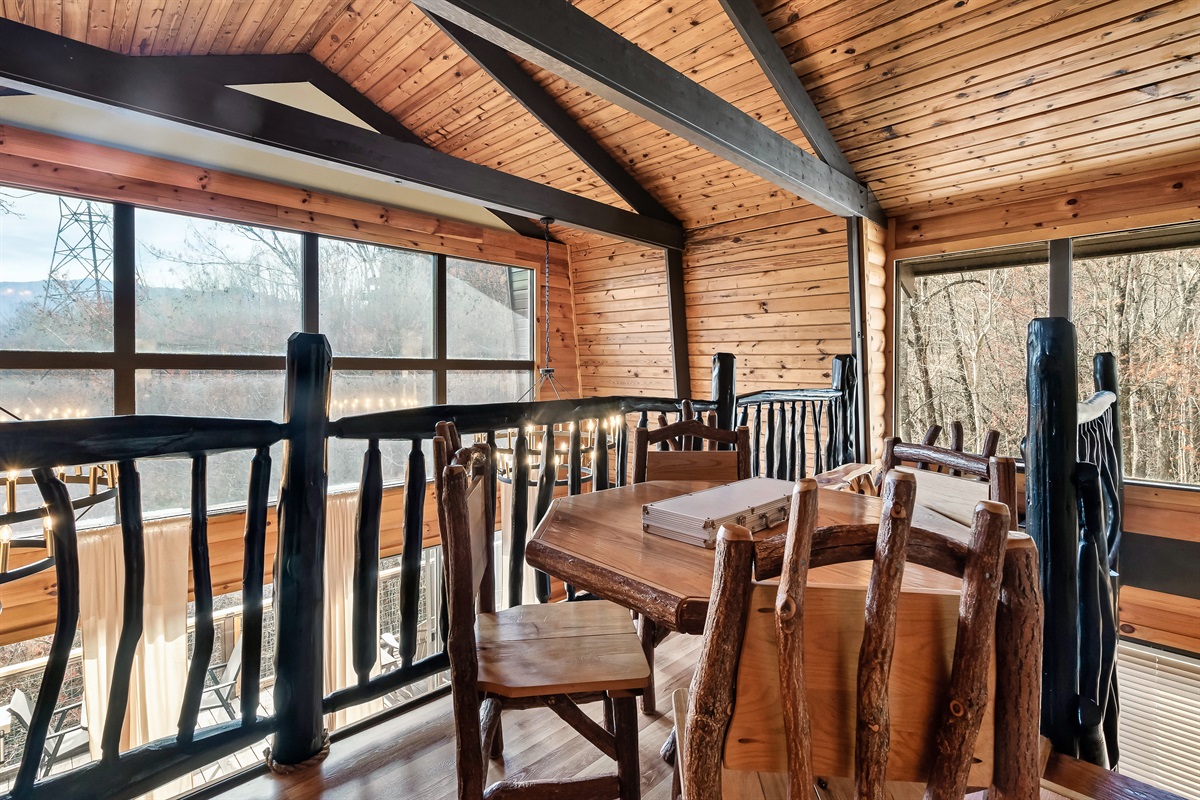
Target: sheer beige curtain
339	608
160	665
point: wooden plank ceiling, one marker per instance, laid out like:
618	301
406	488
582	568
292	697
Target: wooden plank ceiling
935	102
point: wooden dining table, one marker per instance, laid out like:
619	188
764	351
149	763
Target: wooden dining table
595	542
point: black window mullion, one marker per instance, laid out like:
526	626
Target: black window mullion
310	285
124	310
439	329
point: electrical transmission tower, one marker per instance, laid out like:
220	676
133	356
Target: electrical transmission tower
81	270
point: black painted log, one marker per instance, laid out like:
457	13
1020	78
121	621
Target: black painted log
57	498
487	584
600	480
1097	621
1052	519
724	389
299	596
386	683
129	498
547	476
410	556
482	417
520	518
781	442
853	422
253	566
756	440
148	766
802	440
772	436
818	453
621	435
1104	375
791	445
832	448
365	615
575	460
202	590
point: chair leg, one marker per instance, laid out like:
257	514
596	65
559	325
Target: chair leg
647	633
625	724
608	715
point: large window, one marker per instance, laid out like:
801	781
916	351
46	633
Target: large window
109	309
962	338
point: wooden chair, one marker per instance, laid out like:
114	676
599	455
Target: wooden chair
785	693
987	448
684	461
529	656
991	478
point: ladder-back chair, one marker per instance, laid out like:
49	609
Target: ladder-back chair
684	460
547	655
794	685
984	478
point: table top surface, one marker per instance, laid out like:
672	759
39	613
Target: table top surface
595	542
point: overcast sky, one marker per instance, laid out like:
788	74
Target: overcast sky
27	238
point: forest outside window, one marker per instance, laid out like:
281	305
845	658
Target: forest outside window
962	328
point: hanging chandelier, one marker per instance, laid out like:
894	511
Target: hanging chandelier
545	376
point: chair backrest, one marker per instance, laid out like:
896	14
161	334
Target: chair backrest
762	701
686	461
476	459
234	665
19	706
987	448
454	486
946	493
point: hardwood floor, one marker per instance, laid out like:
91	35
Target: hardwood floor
413	756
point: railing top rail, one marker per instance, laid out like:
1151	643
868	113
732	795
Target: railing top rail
94	440
787	395
418	423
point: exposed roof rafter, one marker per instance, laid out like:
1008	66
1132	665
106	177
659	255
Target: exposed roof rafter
525	90
561	38
44	63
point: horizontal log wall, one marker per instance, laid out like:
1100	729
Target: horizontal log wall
773	289
621	318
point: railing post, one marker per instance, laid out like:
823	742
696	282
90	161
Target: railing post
300	556
724	389
854	444
1052	519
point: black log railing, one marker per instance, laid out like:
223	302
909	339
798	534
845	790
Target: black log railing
786	423
527	431
1074	500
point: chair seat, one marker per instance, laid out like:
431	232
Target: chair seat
559	648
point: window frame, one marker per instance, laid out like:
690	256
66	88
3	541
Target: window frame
1061	281
124	360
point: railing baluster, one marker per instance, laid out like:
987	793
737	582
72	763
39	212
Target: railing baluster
756	440
545	493
781	438
771	437
487	585
415	486
818	462
66	569
791	447
202	583
744	416
129	499
621	432
801	441
600	457
520	517
366	564
575	460
831	440
252	582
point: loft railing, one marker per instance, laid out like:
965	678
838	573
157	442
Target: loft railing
296	725
785	423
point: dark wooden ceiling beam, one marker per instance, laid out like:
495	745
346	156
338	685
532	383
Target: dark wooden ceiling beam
761	41
44	63
561	38
537	101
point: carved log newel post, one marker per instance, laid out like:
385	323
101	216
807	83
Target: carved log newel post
300	556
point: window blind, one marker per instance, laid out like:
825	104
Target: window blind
1160	715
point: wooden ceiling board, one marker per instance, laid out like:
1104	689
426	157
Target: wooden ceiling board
933	101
